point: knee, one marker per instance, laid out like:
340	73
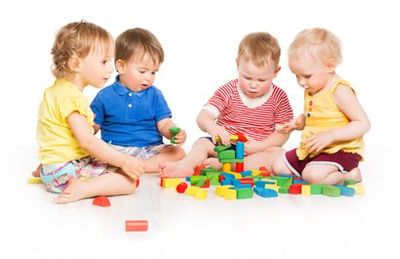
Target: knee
178	153
312	176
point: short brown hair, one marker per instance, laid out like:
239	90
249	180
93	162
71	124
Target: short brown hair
76	39
317	41
136	43
259	47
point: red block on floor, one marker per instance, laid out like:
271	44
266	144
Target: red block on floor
295	188
181	188
136	225
102	201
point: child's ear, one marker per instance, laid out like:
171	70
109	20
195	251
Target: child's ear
237	63
74	64
331	65
278	68
120	66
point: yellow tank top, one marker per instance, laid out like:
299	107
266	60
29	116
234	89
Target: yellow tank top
322	114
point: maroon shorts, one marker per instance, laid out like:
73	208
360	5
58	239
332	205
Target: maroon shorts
344	161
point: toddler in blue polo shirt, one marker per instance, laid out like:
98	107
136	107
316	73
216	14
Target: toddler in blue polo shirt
132	113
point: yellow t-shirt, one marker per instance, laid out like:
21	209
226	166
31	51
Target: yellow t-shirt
322	114
54	135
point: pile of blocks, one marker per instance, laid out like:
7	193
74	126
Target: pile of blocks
240	184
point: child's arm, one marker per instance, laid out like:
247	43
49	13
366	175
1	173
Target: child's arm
276	139
359	124
207	122
163	127
100	150
295	124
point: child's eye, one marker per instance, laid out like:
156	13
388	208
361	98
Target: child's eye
247	78
153	73
142	71
262	80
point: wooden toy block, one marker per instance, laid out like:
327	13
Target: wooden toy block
246	193
34	180
230	194
331	191
174	131
181	188
200	194
358	187
210	169
346	191
240	150
247	181
265	193
241	137
246	173
136	225
316	188
272	187
295	189
239	167
194	179
226	154
221	148
305	189
231	160
226	167
349	182
191	190
220	190
101	201
171	182
283	189
234	138
198	169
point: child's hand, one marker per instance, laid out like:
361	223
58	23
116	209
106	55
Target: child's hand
316	143
180	138
221	132
288	127
133	167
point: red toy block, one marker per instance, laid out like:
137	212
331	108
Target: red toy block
241	137
239	167
102	201
136	225
198	168
206	184
265	171
247	181
295	188
221	177
181	188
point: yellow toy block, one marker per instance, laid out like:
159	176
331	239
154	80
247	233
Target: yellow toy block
220	190
227	167
234	138
305	189
191	190
272	187
200	194
255	172
34	180
237	175
171	182
358	187
230	194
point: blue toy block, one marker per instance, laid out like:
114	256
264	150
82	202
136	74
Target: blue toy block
240	150
246	173
265	193
346	191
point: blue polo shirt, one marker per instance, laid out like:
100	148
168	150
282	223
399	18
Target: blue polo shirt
128	118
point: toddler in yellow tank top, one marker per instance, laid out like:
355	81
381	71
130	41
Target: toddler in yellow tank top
333	121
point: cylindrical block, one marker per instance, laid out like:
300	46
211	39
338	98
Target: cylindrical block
136	225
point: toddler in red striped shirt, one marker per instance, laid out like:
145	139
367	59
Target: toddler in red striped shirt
251	104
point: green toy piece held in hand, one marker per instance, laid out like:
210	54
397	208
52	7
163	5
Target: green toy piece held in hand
174	131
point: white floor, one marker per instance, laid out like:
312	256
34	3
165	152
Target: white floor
31	226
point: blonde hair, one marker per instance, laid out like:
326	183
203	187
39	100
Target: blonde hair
137	43
259	47
76	39
319	42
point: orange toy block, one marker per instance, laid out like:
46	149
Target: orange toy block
101	201
136	225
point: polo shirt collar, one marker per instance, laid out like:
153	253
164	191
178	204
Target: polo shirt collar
120	88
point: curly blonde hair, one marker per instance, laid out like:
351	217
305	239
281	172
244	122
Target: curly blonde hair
319	42
76	39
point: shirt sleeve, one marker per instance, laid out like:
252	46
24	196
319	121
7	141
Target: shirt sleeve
220	98
284	111
97	107
162	110
71	103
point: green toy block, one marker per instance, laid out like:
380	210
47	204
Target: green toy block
231	160
283	189
194	179
331	191
226	154
349	182
221	148
208	169
174	131
245	193
316	188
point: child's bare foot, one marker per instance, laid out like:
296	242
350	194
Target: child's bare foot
174	169
36	173
74	191
212	162
354	174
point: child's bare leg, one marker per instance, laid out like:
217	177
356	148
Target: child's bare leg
201	149
105	184
36	173
265	158
328	174
169	153
279	166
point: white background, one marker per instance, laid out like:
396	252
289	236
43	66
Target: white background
200	40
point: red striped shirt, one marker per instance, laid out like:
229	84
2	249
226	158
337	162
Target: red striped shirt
258	122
